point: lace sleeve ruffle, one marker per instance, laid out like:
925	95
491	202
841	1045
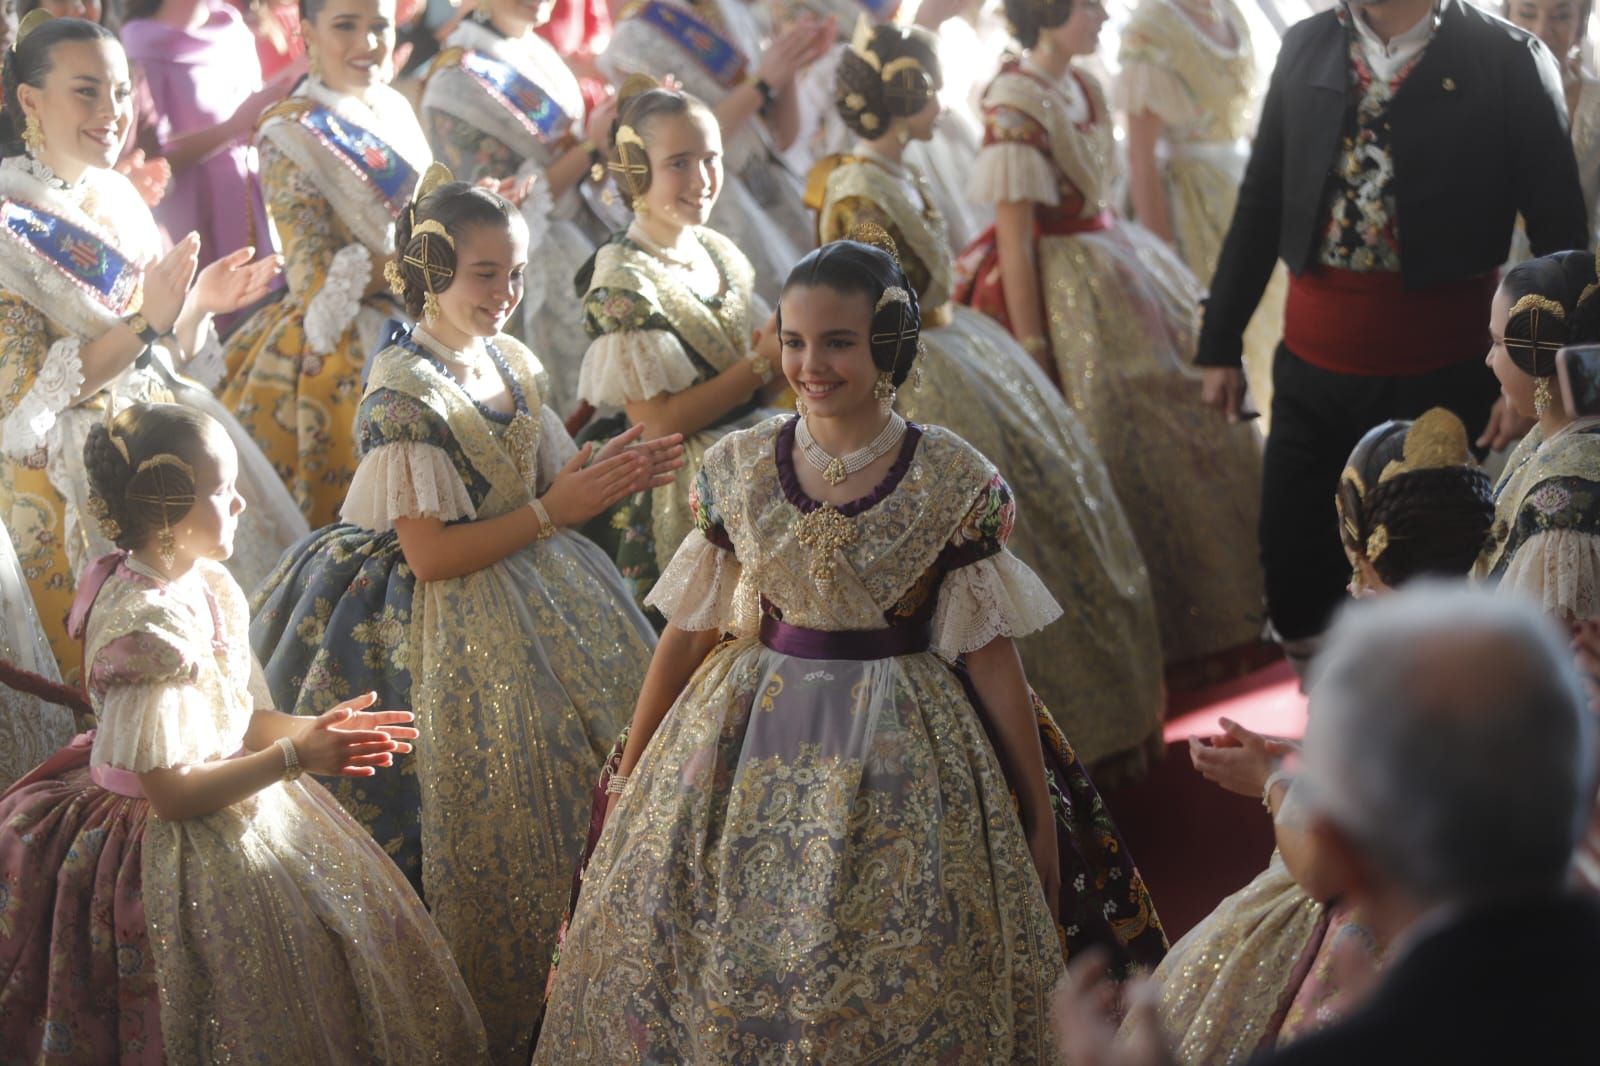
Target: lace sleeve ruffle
27	428
1146	85
994	597
155	726
634	365
405	480
699	589
1013	172
1559	569
335	306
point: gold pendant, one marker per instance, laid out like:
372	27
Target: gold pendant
522	441
834	472
826	531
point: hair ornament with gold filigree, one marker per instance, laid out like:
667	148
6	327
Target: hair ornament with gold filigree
888	74
425	247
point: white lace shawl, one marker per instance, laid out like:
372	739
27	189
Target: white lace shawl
409	479
1013	173
703	588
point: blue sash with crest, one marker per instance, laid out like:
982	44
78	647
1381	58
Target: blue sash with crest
530	105
82	256
365	153
719	56
880	10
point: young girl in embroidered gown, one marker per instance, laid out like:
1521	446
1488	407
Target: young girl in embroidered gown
340	159
1283	957
714	49
1099	668
859	885
455	588
500	103
91	311
1110	313
671	308
175	890
1189	84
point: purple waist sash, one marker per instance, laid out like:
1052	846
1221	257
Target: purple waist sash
859	645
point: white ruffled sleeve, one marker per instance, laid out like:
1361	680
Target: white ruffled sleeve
1559	569
405	479
27	428
701	589
155	726
1013	173
634	365
335	306
994	597
1143	85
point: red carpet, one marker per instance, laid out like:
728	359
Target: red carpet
1194	842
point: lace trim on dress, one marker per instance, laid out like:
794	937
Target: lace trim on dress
1013	173
155	726
27	428
699	589
336	304
634	365
994	597
405	479
1145	86
1560	570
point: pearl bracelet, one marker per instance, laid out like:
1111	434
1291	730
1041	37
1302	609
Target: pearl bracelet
291	759
1272	782
547	528
617	783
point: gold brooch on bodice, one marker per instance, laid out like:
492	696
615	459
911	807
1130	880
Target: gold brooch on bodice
826	531
522	441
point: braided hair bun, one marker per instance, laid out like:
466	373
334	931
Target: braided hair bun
1413	502
425	238
141	467
889	72
1027	19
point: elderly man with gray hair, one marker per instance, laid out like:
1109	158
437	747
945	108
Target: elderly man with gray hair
1447	774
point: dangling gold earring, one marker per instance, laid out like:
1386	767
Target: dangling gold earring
313	62
1541	396
482	12
33	136
430	307
166	547
884	392
902	133
640	208
800	407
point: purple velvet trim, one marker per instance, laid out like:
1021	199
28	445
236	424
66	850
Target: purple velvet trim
857	645
783	455
717	534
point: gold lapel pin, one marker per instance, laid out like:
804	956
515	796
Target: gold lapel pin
1449	85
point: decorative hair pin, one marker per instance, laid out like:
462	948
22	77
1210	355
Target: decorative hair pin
166	546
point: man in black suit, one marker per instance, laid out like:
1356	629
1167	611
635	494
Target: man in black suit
1399	141
1447	774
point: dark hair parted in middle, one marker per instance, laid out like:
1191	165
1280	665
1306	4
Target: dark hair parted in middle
851	267
130	467
426	261
888	72
1413	501
1028	18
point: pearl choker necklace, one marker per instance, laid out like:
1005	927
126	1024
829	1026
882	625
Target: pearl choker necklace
835	469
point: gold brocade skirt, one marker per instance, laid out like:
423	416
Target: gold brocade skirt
298	405
1227	984
1122	311
814	860
1098	668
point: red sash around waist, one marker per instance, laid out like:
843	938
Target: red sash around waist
1369	323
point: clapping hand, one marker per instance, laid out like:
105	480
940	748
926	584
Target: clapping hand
166	284
1084	1010
625	465
1240	760
351	741
233	281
